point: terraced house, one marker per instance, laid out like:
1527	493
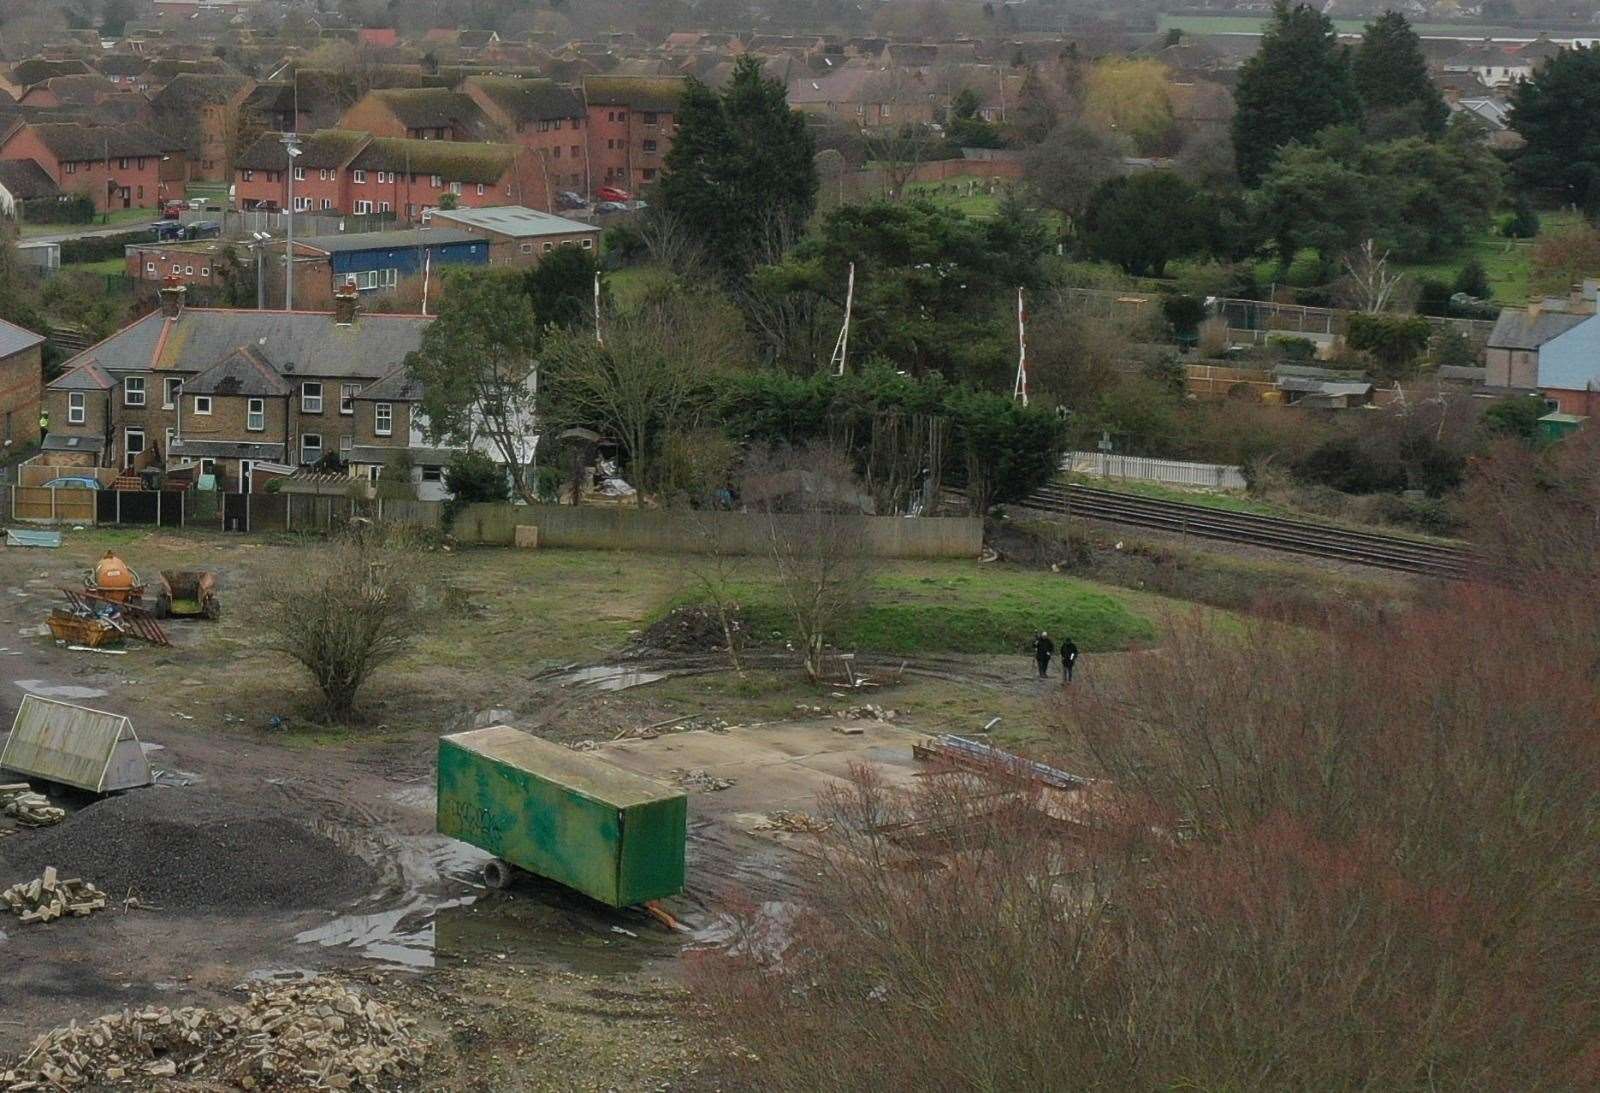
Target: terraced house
117	167
234	393
347	172
542	116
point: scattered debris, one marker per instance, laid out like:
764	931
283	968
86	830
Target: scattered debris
317	1035
699	778
790	819
986	759
16	537
869	712
695	628
47	898
28	808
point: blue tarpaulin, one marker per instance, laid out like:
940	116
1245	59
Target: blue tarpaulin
18	538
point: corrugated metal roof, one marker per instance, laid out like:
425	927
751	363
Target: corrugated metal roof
517	221
389	240
72	745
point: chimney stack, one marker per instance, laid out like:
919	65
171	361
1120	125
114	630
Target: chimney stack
172	294
344	303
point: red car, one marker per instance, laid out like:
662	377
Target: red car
173	209
612	193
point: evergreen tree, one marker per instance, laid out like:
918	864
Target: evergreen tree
1557	112
740	173
1391	75
1296	85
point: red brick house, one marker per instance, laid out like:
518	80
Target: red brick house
632	120
21	386
117	167
347	172
261	172
203	112
542	116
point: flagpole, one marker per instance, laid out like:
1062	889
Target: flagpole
841	348
597	337
427	270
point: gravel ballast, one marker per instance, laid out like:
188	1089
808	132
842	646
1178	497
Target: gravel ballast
191	850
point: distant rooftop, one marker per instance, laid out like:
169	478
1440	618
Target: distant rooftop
514	220
389	240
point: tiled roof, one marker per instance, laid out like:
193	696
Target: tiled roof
431	107
70	142
122	64
636	92
38	69
530	100
188	92
451	160
23	178
397	386
323	148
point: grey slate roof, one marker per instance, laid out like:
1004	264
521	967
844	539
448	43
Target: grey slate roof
14	339
298	344
1517	329
397	386
245	371
87	376
390	240
372	453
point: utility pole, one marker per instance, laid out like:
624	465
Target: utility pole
291	146
1020	390
841	348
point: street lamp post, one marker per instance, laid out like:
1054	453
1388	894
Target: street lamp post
291	145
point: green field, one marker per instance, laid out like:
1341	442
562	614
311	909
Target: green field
957	607
109	267
115	218
979	205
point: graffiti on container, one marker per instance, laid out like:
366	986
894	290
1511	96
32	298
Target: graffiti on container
477	823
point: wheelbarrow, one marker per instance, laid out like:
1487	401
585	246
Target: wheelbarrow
187	593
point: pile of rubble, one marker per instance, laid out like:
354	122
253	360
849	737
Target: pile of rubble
700	778
317	1035
29	808
789	819
47	899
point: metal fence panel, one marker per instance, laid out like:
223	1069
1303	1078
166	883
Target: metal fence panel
1173	472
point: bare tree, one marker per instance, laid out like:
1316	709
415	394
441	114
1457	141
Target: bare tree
673	246
898	130
697	469
816	541
1372	285
345	609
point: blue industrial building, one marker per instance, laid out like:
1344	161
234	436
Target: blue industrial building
379	261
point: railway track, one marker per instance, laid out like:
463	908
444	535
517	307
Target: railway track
1272	532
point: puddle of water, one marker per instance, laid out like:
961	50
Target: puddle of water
608	677
45	689
421	798
767	933
403	936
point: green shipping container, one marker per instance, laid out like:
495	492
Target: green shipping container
578	820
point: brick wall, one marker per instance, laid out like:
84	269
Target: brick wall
21	390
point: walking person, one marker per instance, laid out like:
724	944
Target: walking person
1069	658
1043	650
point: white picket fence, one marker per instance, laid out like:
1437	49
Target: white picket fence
1173	472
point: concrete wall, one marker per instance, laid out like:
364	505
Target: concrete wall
596	527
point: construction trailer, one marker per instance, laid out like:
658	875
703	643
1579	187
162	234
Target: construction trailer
75	746
613	835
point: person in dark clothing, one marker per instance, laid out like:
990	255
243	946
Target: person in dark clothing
1069	657
1043	650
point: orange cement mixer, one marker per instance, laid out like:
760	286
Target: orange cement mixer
113	579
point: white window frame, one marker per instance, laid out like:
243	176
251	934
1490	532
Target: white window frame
299	174
323	174
346	442
149	267
171	392
480	189
249	175
383	419
302	204
255	415
358	176
586	244
432	472
385	207
205	271
347	397
525	248
437	182
365	280
304	448
202	405
77	408
363	207
188	271
455	188
133	391
127	436
309	403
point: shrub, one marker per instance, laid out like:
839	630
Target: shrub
1474	281
1394	341
1342	464
473	478
1292	347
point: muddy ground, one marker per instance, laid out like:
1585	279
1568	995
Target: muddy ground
536	988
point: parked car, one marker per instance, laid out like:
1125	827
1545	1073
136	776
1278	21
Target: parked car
72	482
202	229
613	193
167	230
606	207
569	200
638	206
172	210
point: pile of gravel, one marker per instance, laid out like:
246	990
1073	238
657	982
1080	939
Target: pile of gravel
693	628
191	850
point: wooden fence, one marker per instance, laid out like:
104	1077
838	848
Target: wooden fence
1174	472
